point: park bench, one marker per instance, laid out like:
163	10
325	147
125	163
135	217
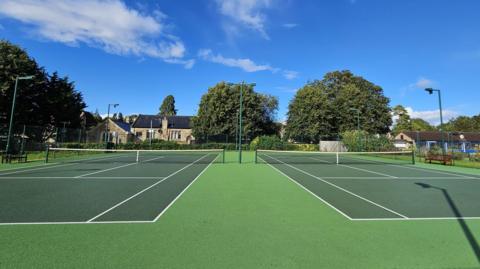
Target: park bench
444	159
19	157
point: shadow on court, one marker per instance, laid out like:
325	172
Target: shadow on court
466	230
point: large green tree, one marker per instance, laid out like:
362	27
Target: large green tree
463	124
324	108
218	112
421	125
168	106
403	121
44	101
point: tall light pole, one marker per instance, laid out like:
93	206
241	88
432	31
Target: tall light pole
64	131
430	91
240	125
358	117
108	119
10	127
241	121
358	125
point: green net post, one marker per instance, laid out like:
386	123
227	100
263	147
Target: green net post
46	153
413	156
223	156
256	160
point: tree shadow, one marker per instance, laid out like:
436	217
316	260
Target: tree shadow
468	233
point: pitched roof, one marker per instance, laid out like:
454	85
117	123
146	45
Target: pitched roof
124	125
147	121
155	121
437	136
179	122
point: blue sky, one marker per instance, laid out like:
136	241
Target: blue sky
136	52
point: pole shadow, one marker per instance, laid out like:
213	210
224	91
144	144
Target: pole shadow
466	230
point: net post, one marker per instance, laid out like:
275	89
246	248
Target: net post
138	155
46	153
337	155
223	156
256	161
413	156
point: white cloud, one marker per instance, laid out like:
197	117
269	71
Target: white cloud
289	74
106	24
432	116
246	65
423	83
247	13
289	25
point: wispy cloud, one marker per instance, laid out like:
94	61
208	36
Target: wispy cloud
432	116
289	74
422	83
106	24
289	25
247	13
245	64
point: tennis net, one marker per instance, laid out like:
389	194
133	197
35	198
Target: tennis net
316	157
65	155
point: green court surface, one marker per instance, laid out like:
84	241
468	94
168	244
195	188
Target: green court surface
200	213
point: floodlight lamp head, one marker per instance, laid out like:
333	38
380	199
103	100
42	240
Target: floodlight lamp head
115	105
26	77
429	90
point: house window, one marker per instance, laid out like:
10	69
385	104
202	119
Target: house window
401	137
138	134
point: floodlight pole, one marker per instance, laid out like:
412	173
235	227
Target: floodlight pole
358	124
240	125
64	131
10	126
358	117
430	91
107	137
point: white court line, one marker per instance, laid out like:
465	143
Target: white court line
54	165
416	178
307	190
356	168
416	219
27	167
144	190
342	189
76	177
116	167
184	190
427	170
75	222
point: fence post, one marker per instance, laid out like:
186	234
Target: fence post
46	153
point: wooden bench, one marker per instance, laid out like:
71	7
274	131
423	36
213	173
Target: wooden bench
7	158
444	159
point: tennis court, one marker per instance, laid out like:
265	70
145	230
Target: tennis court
100	186
383	186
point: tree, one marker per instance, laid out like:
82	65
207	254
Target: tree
97	116
168	107
323	108
463	124
120	117
403	122
421	125
218	112
44	101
